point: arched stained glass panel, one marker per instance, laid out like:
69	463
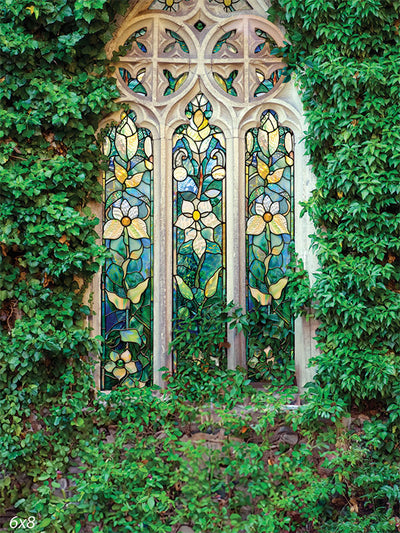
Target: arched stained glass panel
199	211
127	275
214	178
269	197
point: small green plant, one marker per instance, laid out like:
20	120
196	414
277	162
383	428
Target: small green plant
267	340
200	341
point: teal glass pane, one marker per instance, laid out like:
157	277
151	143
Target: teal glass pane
269	232
266	84
134	84
127	294
177	40
174	83
198	212
199	25
224	41
227	83
267	41
134	38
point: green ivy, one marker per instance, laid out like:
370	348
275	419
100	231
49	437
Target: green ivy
345	56
54	90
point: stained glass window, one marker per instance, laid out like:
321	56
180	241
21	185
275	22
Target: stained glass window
270	230
127	275
213	220
199	211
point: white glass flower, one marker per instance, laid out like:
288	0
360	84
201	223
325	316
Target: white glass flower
267	212
195	217
125	216
121	364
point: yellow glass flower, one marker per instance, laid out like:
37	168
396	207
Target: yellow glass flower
121	364
125	216
267	213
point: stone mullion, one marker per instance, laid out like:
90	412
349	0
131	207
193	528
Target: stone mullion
235	245
162	269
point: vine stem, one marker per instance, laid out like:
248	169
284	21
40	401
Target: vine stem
199	266
126	242
201	179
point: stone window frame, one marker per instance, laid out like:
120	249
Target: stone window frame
286	102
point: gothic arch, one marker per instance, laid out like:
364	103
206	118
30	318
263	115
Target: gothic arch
220	50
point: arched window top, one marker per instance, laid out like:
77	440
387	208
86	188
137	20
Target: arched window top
223	47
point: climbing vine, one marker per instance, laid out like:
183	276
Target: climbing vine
54	89
346	56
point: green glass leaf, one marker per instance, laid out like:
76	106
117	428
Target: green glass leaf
130	335
115	274
259	253
117	301
212	284
116	195
258	269
135	294
184	289
276	289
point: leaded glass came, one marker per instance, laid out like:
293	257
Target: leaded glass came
269	197
127	275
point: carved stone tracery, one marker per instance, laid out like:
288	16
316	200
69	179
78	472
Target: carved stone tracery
168	53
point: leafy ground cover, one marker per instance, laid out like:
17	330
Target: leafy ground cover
226	459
